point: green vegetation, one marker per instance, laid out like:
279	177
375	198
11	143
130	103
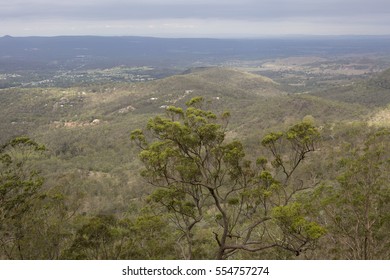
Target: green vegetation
281	176
33	220
201	180
356	205
373	92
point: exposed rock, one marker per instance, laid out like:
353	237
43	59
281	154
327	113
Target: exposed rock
126	109
95	122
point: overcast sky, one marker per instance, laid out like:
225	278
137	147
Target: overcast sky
194	18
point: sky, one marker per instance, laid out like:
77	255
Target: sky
194	18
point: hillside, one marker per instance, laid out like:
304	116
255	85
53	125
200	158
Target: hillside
372	92
19	105
382	80
251	98
86	129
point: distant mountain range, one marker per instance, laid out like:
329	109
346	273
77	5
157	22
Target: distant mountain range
87	52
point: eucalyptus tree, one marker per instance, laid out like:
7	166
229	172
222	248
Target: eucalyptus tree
356	207
19	188
206	182
34	217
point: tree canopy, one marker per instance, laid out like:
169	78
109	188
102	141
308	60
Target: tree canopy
203	179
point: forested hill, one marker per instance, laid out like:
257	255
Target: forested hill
372	92
252	98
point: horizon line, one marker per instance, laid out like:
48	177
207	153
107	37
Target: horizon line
216	37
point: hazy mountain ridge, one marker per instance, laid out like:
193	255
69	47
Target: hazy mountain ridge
88	52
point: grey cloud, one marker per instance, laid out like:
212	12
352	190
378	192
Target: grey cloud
155	17
157	9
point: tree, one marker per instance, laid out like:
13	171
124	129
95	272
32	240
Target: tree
34	218
19	188
356	207
99	238
200	179
109	238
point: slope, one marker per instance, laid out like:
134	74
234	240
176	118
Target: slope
372	92
86	129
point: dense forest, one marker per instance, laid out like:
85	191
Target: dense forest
214	163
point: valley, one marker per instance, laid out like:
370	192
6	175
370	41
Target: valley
94	199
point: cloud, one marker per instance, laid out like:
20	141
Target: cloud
226	9
192	27
289	16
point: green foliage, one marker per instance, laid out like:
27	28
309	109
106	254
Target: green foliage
95	240
355	207
271	138
32	221
196	173
174	200
18	184
195	101
290	219
109	238
304	134
153	239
